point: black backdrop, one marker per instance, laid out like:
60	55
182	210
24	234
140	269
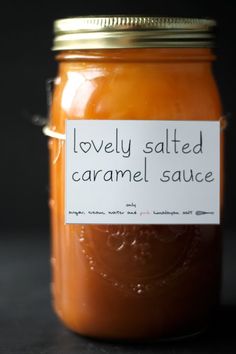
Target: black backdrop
26	63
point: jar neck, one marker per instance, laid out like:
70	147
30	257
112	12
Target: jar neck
138	54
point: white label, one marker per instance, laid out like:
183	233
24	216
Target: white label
142	172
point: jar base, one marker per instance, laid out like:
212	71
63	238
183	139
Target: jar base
152	339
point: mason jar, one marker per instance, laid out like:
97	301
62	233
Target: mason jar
135	255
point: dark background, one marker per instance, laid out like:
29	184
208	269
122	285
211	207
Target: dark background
26	62
27	322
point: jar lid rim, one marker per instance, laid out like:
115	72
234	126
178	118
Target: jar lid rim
123	31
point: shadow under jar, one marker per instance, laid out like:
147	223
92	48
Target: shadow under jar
132	281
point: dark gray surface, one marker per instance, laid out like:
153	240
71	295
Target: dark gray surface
28	324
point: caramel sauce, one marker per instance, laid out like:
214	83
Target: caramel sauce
132	281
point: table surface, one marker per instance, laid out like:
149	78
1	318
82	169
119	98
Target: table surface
29	326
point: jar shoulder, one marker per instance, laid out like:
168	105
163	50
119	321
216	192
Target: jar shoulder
126	90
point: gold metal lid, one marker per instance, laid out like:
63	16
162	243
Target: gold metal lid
107	32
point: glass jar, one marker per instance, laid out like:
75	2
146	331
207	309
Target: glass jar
132	281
